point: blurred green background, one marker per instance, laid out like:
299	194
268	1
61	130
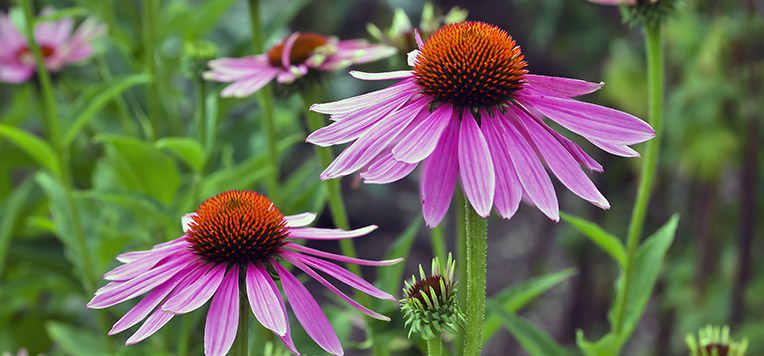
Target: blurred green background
131	189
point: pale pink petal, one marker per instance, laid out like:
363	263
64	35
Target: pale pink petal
263	297
401	74
308	312
286	51
411	57
360	52
287	338
418	39
79	46
248	85
299	220
198	292
316	233
438	177
618	150
154	322
509	190
161	248
385	169
421	141
223	316
11	40
562	86
340	258
186	220
475	166
15	73
230	69
353	104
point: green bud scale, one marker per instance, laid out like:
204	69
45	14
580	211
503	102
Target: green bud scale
651	12
715	341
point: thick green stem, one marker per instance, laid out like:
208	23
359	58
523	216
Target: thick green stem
437	239
241	343
476	271
435	346
655	86
265	98
461	258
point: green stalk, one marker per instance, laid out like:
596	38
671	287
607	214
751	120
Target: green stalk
149	47
461	258
655	86
435	346
438	242
265	98
476	271
240	345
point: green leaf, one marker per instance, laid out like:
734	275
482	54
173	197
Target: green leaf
113	90
34	146
189	150
535	341
648	260
390	278
141	167
611	244
10	216
75	341
514	297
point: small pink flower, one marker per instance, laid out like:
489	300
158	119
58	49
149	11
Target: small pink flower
292	59
58	44
233	232
469	109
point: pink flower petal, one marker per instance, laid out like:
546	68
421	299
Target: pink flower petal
248	85
509	190
223	316
618	150
438	177
155	321
475	166
308	312
300	220
263	296
562	86
231	69
340	258
421	141
186	220
198	292
372	99
401	74
315	233
286	51
385	169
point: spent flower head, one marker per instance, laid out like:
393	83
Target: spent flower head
430	304
233	233
715	341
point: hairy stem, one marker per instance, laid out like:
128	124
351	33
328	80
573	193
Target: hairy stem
476	236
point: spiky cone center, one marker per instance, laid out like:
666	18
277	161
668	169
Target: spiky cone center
470	64
25	53
434	287
302	49
237	227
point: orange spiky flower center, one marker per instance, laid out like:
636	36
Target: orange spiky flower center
302	49
470	64
237	227
47	51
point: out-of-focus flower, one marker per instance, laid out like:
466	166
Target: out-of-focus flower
469	109
648	11
196	54
715	341
292	59
235	232
59	46
430	304
401	34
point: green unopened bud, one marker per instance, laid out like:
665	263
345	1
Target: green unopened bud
430	304
715	341
651	12
400	34
196	54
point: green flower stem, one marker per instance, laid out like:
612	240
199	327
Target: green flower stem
435	346
201	113
265	98
476	272
240	345
461	256
438	242
655	86
53	130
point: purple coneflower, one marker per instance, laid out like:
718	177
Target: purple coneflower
469	109
292	59
59	46
231	233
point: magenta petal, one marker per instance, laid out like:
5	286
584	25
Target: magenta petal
308	312
475	166
340	258
438	177
286	50
530	171
315	233
385	169
562	86
246	86
154	322
198	292
618	150
421	141
346	277
263	297
561	162
509	190
223	316
146	305
353	104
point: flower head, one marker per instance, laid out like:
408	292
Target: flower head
430	304
231	233
290	60
715	341
59	46
470	109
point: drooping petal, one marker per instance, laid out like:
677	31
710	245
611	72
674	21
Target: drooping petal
530	171
509	190
223	316
308	312
562	86
231	69
476	167
421	141
340	258
438	177
385	169
561	162
154	322
300	220
286	50
316	233
248	85
198	292
616	149
263	296
372	99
